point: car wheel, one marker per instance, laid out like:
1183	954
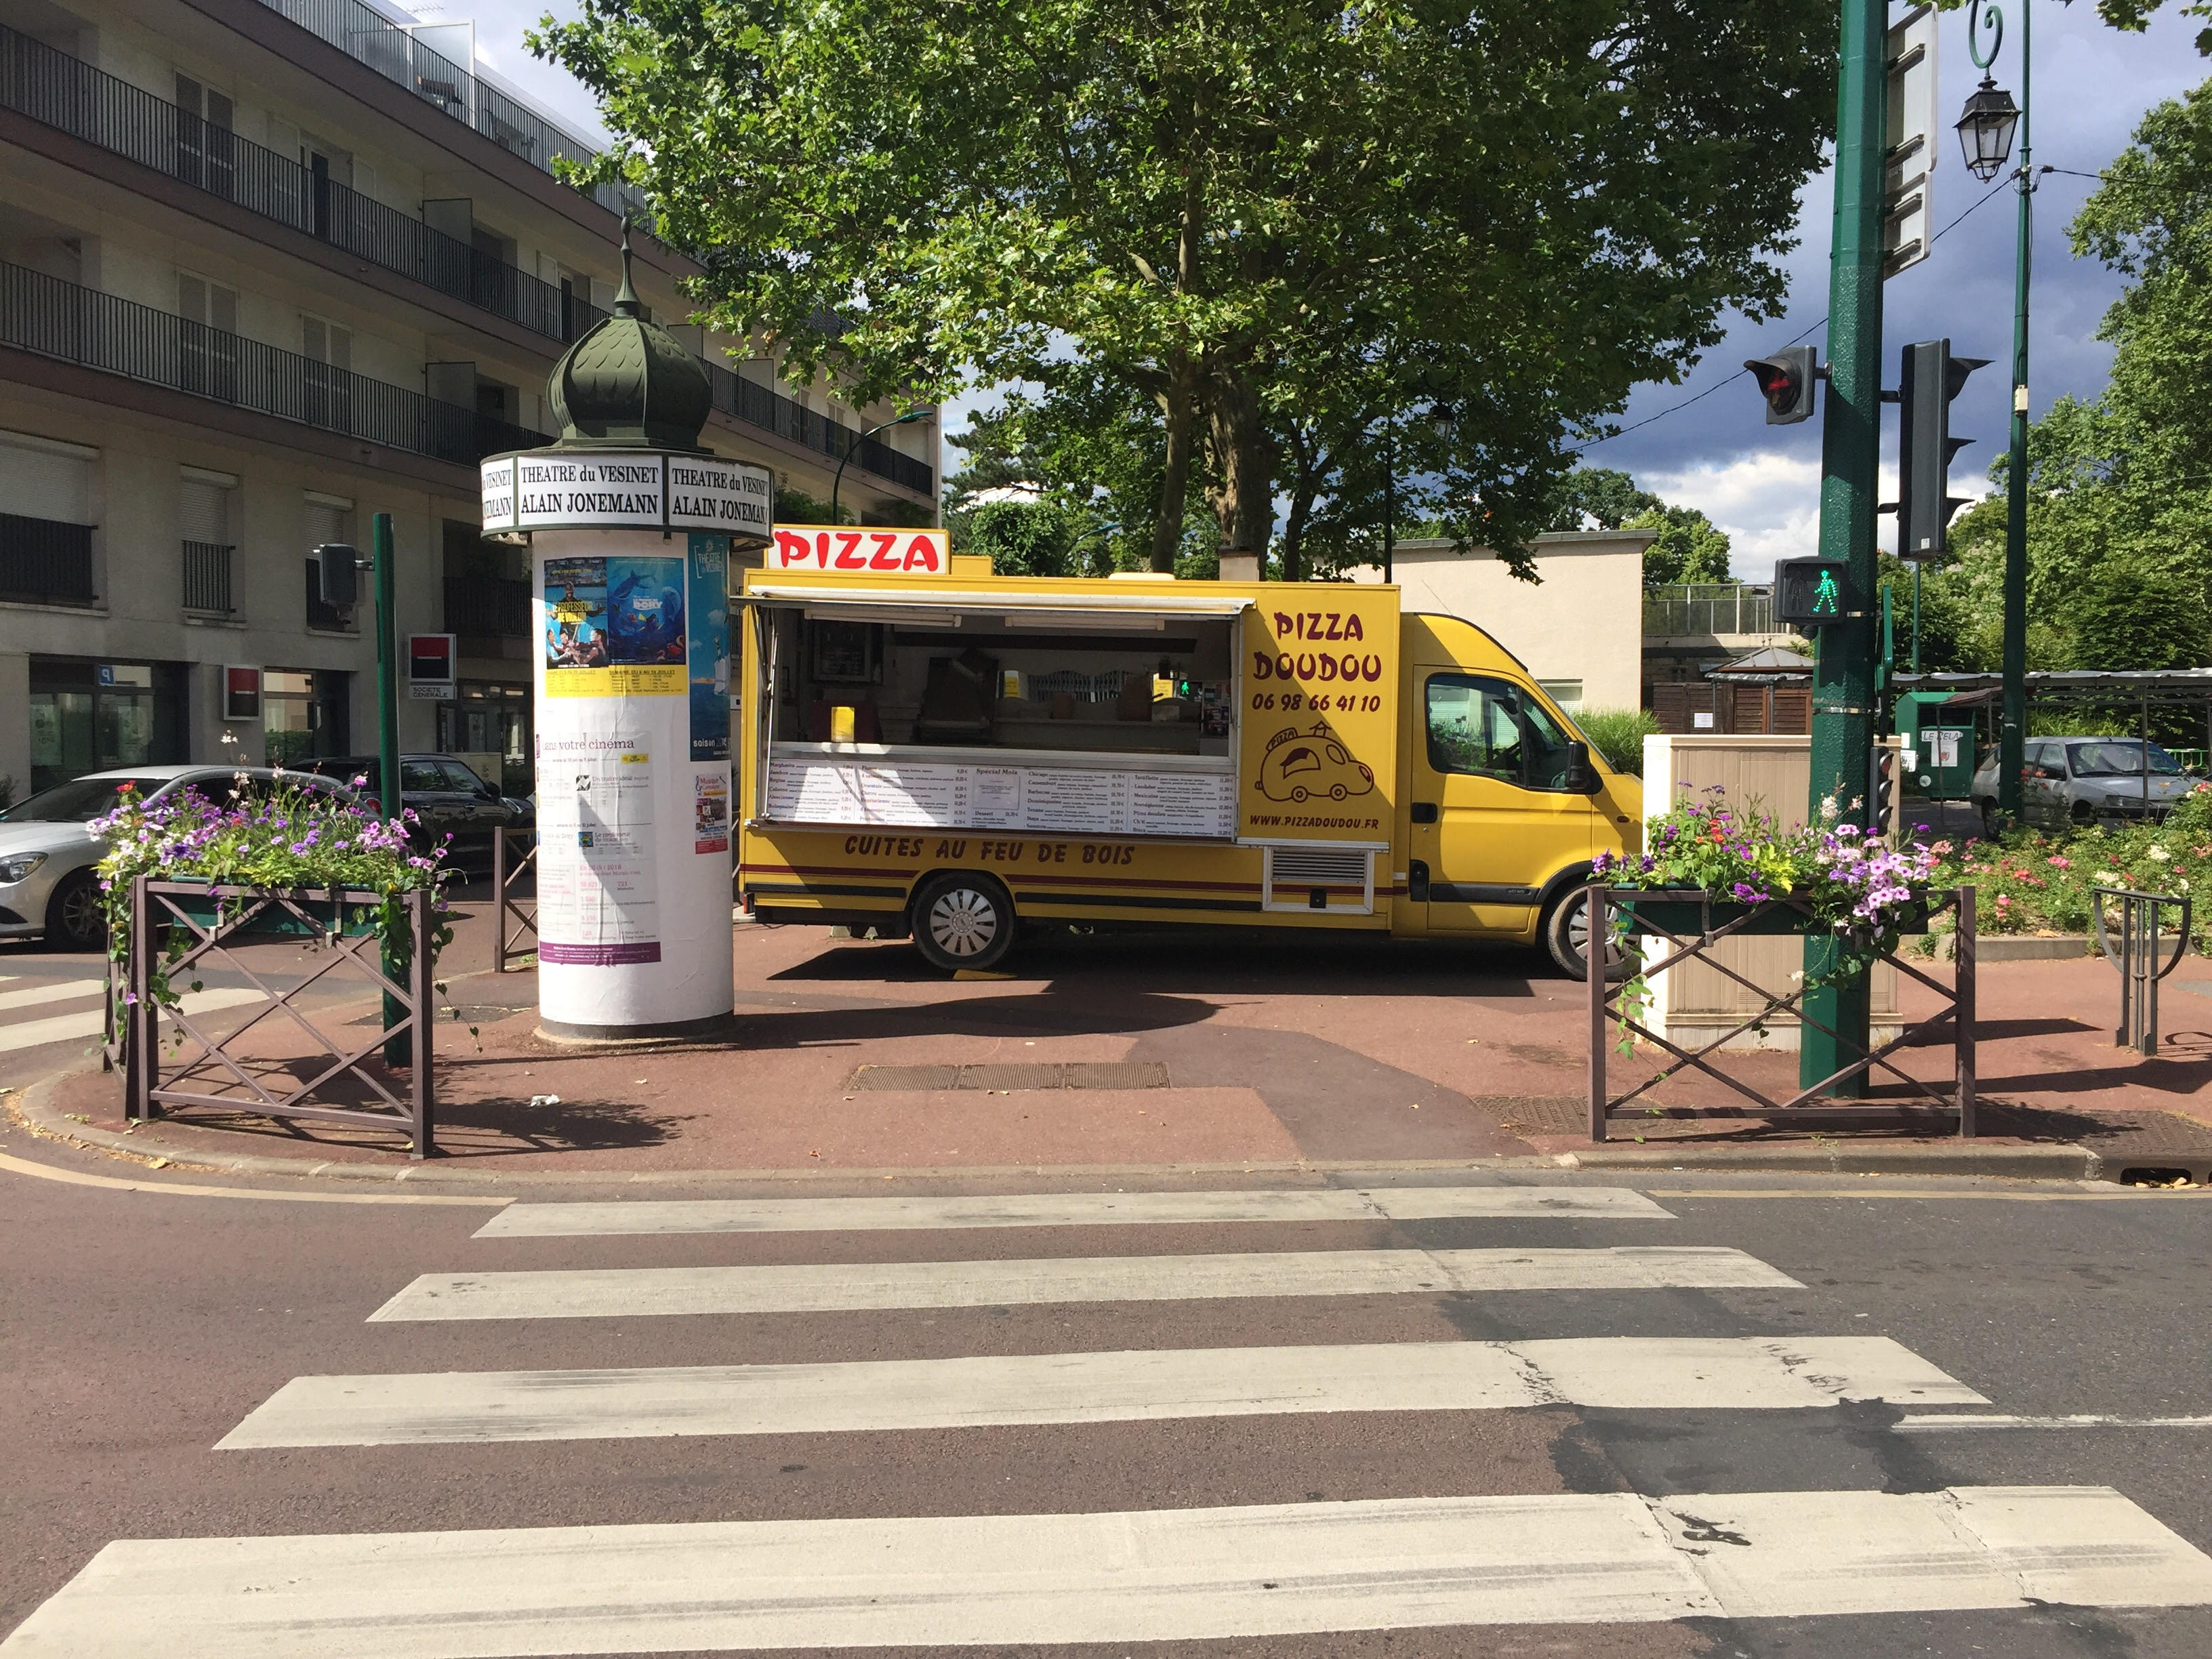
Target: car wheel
963	920
1988	811
1565	932
76	917
2082	814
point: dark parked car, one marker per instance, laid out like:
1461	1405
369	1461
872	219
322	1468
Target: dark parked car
446	798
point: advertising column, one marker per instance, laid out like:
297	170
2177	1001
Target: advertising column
633	781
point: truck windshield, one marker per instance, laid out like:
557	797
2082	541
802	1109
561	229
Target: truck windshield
2106	758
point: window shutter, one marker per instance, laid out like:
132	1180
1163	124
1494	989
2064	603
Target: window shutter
203	511
40	483
325	523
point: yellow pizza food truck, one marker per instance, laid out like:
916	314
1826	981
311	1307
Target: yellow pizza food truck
950	755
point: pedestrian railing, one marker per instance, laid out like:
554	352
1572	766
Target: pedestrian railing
1691	923
332	1083
2136	953
508	904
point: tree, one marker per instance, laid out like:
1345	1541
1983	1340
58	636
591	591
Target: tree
1231	210
2132	613
1691	547
1599	493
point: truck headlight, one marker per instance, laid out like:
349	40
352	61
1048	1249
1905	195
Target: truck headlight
13	870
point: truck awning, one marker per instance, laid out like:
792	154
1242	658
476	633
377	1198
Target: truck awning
898	604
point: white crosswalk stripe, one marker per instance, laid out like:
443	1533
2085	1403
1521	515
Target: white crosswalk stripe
606	1293
735	1215
1260	1571
1133	1576
91	1021
1628	1373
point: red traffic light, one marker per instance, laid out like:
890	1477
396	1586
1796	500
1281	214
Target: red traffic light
1785	381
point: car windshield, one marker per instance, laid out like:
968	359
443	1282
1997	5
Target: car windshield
2120	759
78	802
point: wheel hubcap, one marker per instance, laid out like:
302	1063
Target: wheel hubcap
1578	934
962	922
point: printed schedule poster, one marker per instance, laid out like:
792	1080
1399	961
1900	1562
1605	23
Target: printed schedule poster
710	812
598	877
708	564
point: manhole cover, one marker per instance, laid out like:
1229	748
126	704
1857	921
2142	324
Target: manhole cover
1072	1074
1543	1114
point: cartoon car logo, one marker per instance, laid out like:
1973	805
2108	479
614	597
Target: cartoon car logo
1300	765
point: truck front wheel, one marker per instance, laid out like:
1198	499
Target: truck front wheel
1566	934
963	920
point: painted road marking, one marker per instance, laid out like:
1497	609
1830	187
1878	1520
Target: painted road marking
1066	1210
1948	1422
620	1293
1134	1577
24	1166
60	990
60	1028
1626	1373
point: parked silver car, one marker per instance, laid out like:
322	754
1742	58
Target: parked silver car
2079	781
47	854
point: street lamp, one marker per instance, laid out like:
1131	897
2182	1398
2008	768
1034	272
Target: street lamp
914	415
1986	134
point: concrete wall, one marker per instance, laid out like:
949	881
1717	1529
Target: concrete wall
1583	621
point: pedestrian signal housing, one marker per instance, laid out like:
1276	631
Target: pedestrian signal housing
337	568
1881	788
1931	377
1813	592
1785	381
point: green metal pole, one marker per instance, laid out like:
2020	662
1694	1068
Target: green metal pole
2012	734
1844	652
400	1050
1916	615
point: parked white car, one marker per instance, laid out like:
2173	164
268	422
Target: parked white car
2079	781
46	853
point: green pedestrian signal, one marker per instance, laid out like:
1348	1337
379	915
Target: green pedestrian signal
1812	592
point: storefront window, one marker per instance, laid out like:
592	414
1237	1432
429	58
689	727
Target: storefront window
490	717
92	716
303	715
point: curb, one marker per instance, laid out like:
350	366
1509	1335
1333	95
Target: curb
2069	1162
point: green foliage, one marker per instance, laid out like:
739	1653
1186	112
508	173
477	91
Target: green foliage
2027	882
2131	613
1611	498
1691	548
1618	734
797	507
1237	218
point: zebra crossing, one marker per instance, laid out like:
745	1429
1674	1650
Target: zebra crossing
1435	1560
85	1021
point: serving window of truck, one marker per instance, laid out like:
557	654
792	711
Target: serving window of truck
1124	709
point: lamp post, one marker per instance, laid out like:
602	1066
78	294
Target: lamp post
838	480
1985	135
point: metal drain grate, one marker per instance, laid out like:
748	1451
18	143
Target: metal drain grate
1072	1074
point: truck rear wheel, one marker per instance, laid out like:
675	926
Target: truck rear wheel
963	920
1566	934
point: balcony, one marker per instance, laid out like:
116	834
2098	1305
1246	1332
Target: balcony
43	562
207	578
486	607
1708	611
64	320
60	91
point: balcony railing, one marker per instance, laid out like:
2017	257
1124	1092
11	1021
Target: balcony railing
207	577
55	318
757	405
43	562
1683	610
487	605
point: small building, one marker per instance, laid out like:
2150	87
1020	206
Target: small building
1693	628
1579	628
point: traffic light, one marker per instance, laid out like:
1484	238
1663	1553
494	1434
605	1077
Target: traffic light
338	571
1814	591
1931	379
1785	381
1881	789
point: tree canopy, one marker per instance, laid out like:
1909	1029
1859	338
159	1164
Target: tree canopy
1262	222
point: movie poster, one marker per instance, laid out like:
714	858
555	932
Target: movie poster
614	626
709	558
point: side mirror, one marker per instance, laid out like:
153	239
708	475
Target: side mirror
1582	776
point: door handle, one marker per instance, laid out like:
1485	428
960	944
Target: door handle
1423	811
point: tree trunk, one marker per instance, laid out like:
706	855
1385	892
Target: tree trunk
1246	506
1304	469
1178	409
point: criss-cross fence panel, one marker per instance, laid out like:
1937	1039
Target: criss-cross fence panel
513	915
221	1072
2136	953
1692	924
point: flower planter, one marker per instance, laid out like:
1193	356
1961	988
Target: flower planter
1684	912
345	912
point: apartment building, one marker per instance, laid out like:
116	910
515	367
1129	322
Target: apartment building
268	267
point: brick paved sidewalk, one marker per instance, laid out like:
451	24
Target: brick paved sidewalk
1166	1049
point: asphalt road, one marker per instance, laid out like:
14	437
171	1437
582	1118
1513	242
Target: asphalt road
1708	1458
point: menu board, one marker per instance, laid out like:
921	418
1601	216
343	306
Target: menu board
1057	799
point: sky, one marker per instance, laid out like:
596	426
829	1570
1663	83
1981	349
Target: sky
1761	484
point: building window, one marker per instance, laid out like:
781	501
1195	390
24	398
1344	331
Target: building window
328	348
1568	694
491	717
45	521
303	715
207	337
205	153
203	521
94	716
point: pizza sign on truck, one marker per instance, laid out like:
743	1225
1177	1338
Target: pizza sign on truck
881	552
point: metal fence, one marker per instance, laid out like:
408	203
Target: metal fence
207	576
1682	609
45	561
79	325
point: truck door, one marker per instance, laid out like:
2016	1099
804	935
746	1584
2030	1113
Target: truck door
1492	818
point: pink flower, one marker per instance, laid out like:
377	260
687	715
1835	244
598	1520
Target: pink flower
2059	863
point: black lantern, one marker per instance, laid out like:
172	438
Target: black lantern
1985	130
